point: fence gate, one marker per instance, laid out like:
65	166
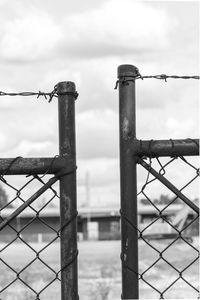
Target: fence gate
148	154
16	279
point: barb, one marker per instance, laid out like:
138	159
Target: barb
48	96
52	162
27	94
164	77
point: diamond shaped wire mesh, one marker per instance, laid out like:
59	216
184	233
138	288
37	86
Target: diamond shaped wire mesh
30	243
168	237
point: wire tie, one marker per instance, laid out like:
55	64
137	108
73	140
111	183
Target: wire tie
138	75
51	95
150	152
116	85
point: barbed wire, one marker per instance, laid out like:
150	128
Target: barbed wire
160	77
165	77
49	95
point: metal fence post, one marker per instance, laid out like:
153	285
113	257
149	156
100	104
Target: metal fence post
68	206
129	235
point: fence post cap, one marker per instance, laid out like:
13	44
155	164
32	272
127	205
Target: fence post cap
127	70
65	86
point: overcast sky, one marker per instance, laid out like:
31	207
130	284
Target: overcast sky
44	42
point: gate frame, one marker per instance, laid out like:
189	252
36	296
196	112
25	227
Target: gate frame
132	151
128	181
64	169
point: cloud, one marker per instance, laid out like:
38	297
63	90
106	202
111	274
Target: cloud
26	148
29	37
2	2
178	127
25	120
96	130
112	28
116	28
153	93
62	73
57	43
97	133
3	140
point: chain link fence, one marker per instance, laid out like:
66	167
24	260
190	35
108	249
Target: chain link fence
38	252
159	263
160	250
19	236
170	233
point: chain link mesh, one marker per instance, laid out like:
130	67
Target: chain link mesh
30	270
31	225
168	231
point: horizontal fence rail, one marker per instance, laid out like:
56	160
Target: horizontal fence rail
148	256
33	166
31	275
160	148
154	264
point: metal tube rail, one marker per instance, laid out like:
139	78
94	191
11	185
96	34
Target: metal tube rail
169	185
68	206
33	166
158	148
128	165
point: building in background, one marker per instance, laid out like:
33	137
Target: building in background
103	224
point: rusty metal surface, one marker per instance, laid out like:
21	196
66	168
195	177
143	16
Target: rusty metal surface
64	169
171	147
33	166
129	237
132	152
68	203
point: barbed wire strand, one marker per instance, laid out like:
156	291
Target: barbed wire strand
49	95
164	77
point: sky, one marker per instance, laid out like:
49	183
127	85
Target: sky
45	42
